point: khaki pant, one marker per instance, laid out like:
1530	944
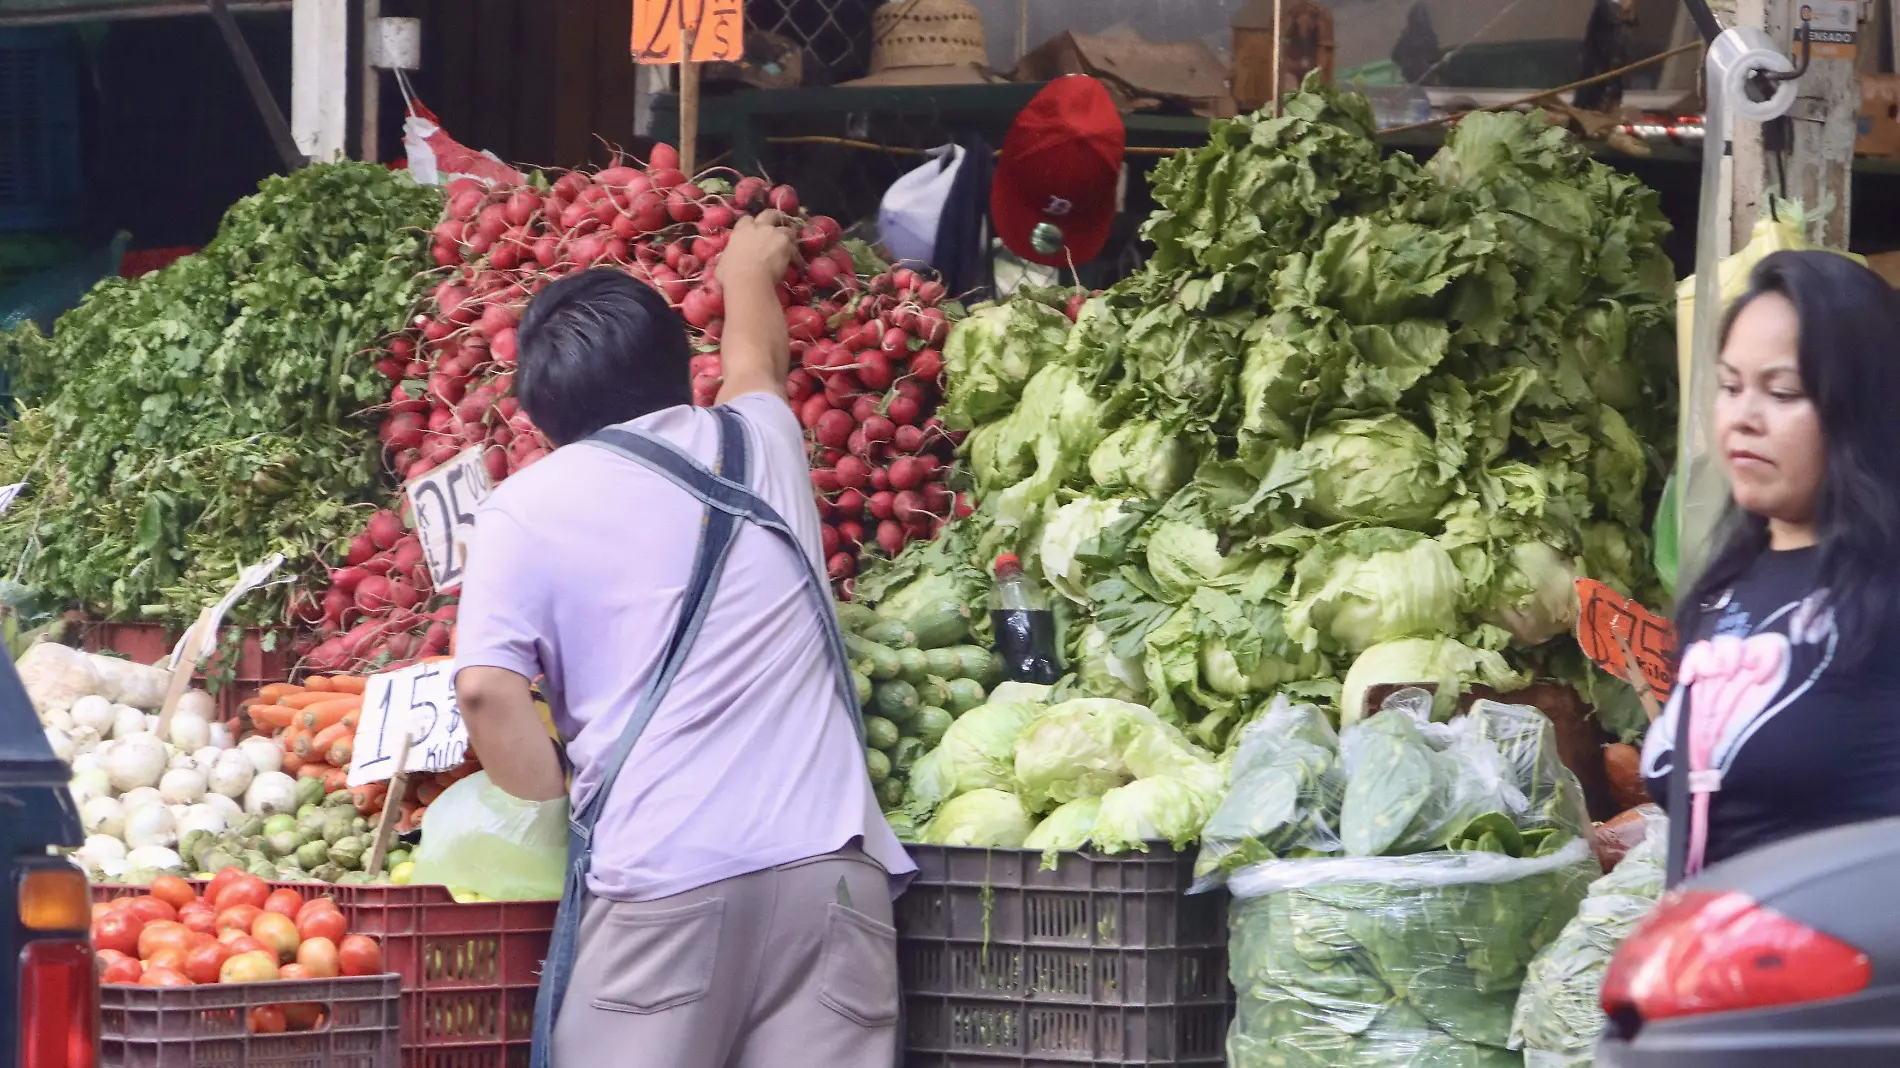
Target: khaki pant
784	968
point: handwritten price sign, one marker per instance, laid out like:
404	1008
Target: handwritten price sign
443	503
1611	624
661	29
419	700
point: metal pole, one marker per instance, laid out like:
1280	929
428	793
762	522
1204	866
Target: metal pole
273	116
1279	50
371	137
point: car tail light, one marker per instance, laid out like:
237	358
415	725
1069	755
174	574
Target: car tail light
1704	952
59	1005
55	899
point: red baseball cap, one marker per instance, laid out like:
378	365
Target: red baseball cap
1058	172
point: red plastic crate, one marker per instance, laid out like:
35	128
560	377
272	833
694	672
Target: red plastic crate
469	971
188	1027
141	642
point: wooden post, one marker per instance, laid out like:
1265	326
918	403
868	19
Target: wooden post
392	806
194	645
1279	49
320	77
370	138
689	105
1820	156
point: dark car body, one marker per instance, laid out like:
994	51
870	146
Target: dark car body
1843	882
36	812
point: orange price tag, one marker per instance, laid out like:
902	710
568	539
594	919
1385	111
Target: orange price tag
661	27
1611	625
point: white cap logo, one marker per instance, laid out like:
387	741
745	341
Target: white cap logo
1058	207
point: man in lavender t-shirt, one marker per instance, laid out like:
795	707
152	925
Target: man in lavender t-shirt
742	873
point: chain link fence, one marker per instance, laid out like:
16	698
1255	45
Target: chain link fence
836	34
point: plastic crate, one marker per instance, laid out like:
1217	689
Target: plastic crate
1102	960
469	971
190	1027
40	183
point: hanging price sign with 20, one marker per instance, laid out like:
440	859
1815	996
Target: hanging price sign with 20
443	503
419	700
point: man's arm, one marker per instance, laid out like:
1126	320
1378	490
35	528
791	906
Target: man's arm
507	734
755	352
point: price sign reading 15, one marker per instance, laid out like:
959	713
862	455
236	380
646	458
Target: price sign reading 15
419	699
443	502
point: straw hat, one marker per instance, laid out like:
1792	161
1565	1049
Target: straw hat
927	42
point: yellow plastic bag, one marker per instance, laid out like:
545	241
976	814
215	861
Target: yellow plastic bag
478	839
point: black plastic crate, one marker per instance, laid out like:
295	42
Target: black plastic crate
1101	960
206	1026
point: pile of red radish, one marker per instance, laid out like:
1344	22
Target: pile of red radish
866	383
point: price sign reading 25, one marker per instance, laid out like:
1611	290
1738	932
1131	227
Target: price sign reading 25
443	502
661	27
419	699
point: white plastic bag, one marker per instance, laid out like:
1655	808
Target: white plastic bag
479	837
56	675
126	682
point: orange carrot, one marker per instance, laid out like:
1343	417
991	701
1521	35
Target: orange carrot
427	791
336	779
273	716
306	699
324	713
355	684
276	691
340	752
350	718
370	796
317	683
292	762
316	769
322	740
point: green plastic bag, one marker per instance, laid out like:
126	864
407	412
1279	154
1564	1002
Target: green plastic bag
480	839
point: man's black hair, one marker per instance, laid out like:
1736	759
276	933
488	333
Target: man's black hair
598	348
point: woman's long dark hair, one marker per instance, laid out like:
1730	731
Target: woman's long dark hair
1850	368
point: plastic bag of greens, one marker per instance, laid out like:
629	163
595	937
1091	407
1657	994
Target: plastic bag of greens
1284	798
1416	960
1558	1018
480	838
1413	785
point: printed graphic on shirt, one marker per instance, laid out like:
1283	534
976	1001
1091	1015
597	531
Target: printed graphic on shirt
1740	678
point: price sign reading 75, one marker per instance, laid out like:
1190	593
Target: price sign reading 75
443	502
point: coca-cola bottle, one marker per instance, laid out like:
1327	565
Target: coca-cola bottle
1025	627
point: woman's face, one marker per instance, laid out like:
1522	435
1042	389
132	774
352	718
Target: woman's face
1767	426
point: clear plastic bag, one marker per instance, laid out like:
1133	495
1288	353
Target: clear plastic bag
1284	797
1558	1018
1348	961
478	837
56	675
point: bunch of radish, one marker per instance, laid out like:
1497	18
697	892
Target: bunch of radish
866	382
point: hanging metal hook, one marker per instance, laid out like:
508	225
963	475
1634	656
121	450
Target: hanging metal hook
1806	33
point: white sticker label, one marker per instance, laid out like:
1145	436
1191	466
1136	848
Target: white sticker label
443	503
419	699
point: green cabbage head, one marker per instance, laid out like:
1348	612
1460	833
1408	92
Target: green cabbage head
990	819
1445	661
1222	671
977	752
1144	457
1074	749
1537	594
1067	828
1380	584
1380	470
991	354
1103	674
1071	527
1167	808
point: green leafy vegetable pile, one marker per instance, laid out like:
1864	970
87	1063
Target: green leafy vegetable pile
1392	884
188	423
1359	421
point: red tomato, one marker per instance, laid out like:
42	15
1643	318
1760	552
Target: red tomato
304	1016
243	890
203	963
321	923
253	967
117	931
278	932
228	935
220	881
313	905
360	955
102	909
291	972
173	891
239	916
163	977
319	957
123	970
151	909
268	1020
285	902
164	934
199	918
247	944
171	958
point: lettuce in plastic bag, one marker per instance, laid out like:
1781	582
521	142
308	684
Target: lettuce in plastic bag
1449	663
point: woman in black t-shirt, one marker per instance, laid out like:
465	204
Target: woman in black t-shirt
1787	699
